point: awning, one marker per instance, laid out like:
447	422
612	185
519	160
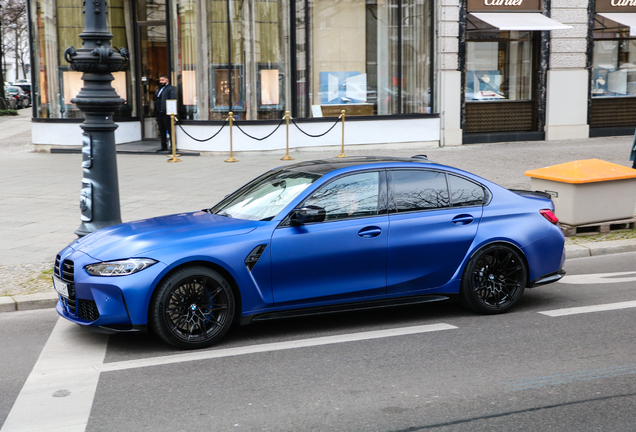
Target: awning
626	19
522	21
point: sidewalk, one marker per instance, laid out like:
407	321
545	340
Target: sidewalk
40	193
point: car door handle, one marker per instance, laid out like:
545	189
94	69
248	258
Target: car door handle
463	219
370	232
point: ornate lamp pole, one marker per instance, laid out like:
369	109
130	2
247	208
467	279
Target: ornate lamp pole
97	100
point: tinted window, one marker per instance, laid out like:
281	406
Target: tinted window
419	190
349	197
264	197
465	192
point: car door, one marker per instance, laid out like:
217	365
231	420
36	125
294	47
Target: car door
343	256
431	228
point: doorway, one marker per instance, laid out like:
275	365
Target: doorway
152	34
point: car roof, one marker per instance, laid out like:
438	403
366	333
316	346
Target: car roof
324	166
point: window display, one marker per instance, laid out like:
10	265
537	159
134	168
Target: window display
614	60
369	57
498	65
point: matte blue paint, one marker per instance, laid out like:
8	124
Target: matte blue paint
327	263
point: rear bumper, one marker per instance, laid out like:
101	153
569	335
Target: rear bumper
547	279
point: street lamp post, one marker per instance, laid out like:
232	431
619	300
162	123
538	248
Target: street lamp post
97	100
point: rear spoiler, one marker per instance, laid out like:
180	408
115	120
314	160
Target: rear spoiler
531	193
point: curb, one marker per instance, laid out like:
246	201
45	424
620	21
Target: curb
24	302
600	248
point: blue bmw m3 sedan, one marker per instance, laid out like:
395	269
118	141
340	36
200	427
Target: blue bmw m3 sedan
314	237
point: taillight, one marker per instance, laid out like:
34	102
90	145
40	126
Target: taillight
549	216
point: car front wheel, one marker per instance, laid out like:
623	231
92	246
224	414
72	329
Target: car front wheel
494	280
192	308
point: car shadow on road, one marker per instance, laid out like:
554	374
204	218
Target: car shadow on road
130	346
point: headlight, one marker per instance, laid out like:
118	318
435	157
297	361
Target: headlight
120	267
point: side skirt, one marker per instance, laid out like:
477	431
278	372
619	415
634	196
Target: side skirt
321	310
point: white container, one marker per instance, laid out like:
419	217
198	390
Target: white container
588	191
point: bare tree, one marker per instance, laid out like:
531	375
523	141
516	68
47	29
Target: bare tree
14	33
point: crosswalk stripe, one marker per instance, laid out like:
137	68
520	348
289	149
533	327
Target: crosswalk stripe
276	346
589	309
58	394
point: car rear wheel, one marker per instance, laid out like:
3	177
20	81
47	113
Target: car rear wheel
193	308
494	280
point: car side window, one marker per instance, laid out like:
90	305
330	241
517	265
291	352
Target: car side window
416	190
348	197
464	192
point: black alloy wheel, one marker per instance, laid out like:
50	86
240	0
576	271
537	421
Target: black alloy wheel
494	280
193	308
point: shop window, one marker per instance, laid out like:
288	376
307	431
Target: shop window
368	57
498	64
614	60
55	26
257	53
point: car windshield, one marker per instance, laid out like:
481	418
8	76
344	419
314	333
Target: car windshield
263	198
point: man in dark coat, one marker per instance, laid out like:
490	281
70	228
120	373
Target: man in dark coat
164	92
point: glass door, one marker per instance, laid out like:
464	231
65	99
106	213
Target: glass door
152	58
153	63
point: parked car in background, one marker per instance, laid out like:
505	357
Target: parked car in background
310	238
22	99
10	100
26	87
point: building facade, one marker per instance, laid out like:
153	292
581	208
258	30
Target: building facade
405	72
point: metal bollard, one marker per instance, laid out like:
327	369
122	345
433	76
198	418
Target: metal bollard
342	114
173	141
231	158
287	157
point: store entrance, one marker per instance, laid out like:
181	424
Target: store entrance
153	62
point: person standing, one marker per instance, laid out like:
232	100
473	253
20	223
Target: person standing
164	92
632	155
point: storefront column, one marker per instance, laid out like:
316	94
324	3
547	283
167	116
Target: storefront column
449	76
567	82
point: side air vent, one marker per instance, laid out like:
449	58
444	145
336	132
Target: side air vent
254	256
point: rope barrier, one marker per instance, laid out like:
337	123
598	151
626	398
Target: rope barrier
202	140
260	139
320	135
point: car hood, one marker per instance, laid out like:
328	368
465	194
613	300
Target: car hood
134	239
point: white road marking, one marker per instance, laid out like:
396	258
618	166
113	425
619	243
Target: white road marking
599	278
588	309
58	394
275	346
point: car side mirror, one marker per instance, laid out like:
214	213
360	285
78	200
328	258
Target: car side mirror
307	214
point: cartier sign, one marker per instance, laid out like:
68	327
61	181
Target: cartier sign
615	5
507	5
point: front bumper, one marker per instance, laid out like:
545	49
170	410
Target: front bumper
104	304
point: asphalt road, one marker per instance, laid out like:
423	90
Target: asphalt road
543	366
